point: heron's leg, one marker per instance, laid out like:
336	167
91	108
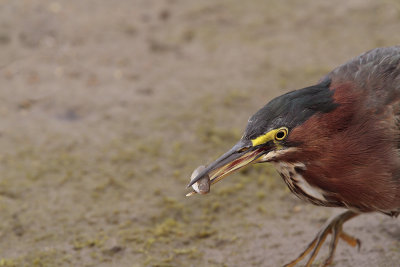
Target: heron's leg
333	226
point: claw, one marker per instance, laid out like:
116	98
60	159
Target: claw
334	227
352	241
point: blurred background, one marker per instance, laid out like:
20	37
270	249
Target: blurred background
106	107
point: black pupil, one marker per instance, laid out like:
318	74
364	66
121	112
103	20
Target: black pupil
280	135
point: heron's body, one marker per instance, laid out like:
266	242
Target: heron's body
335	144
368	90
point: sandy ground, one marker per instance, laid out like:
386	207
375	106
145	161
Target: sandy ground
108	106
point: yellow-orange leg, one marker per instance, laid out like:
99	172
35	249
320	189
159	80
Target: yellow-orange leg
334	227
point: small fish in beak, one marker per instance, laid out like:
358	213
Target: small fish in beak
239	156
202	186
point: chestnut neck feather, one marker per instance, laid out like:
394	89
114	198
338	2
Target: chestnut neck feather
350	153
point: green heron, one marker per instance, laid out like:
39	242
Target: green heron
335	144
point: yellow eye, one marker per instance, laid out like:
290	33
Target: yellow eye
281	134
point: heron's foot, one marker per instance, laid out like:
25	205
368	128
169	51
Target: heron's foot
334	227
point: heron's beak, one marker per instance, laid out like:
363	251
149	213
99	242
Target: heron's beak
240	155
